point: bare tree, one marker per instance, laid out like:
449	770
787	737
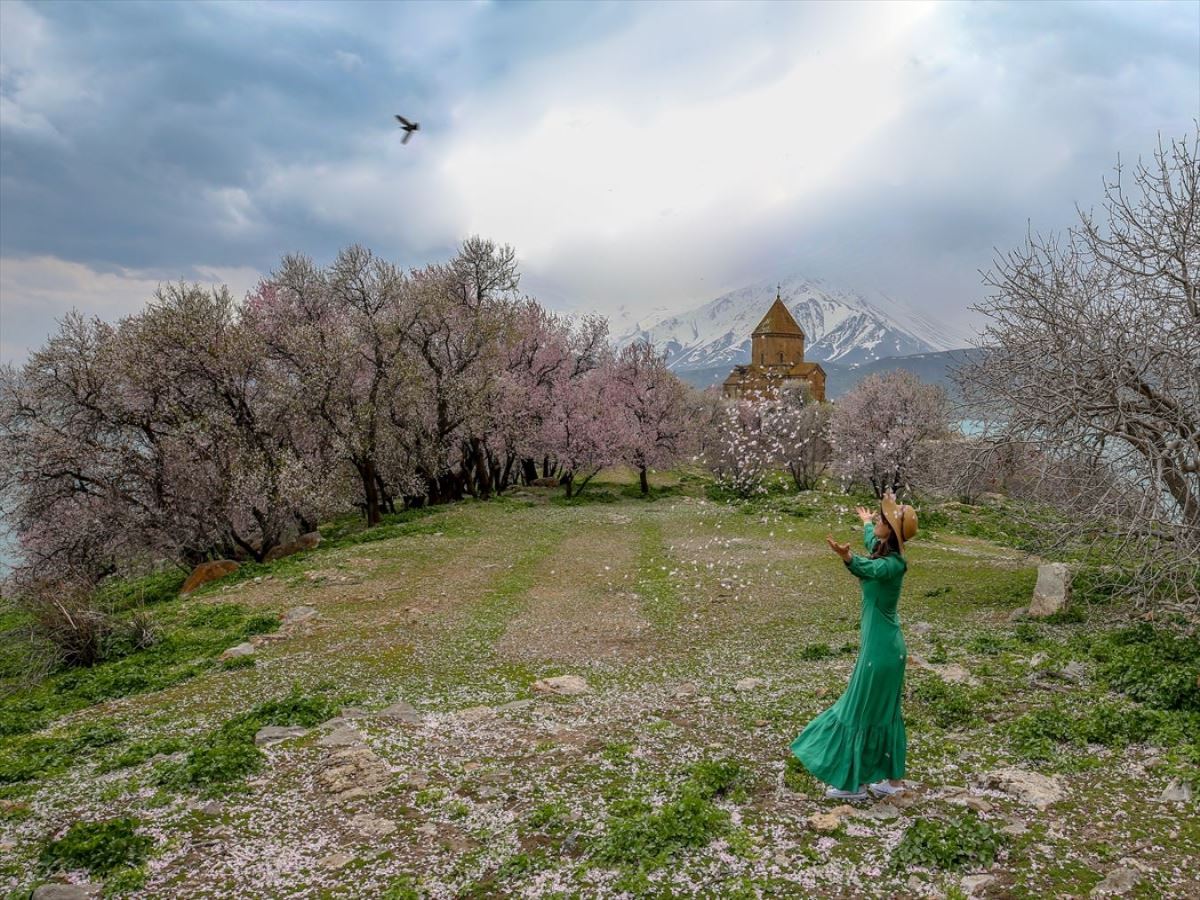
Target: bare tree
1092	356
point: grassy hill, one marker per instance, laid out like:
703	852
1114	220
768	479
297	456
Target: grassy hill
422	761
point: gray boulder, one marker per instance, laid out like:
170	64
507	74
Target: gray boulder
1052	590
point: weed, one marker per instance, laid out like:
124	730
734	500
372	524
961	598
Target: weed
640	834
550	817
100	847
816	651
228	753
957	843
948	705
25	757
1154	666
938	655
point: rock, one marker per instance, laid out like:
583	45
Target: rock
978	804
1052	590
308	541
402	710
687	689
1037	659
544	482
973	884
298	614
372	826
274	734
884	811
948	672
915	884
515	705
1017	614
206	572
475	714
352	712
921	628
213	808
955	673
336	860
748	684
1117	882
342	736
1074	671
1031	787
354	772
1015	828
829	821
1178	791
567	685
245	649
68	892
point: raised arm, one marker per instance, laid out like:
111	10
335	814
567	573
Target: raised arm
875	569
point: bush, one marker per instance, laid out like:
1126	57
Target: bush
1049	735
957	843
100	847
1154	666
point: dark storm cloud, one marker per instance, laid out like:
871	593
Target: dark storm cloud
149	141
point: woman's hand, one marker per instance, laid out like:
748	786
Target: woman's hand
842	550
864	514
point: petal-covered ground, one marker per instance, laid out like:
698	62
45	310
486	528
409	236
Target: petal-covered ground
707	634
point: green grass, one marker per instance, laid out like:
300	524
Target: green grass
188	644
228	753
961	842
99	847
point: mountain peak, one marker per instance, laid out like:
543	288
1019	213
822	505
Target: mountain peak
840	325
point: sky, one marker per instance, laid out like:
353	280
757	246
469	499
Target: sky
637	155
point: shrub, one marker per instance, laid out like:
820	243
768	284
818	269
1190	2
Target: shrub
1154	666
963	841
100	847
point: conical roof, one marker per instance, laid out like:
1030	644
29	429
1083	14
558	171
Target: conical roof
778	320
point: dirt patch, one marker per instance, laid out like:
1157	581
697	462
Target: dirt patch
581	608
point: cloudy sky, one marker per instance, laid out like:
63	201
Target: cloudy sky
636	154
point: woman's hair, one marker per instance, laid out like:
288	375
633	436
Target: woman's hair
891	545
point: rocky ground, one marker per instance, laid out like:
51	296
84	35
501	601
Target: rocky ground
527	698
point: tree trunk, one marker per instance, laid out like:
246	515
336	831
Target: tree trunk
366	472
645	481
568	482
529	470
482	470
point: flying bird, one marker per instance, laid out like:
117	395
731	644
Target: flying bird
409	127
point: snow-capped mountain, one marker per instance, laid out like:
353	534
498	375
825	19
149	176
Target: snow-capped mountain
839	326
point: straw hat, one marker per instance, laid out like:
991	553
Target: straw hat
901	518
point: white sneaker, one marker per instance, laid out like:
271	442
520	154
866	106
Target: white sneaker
884	789
832	793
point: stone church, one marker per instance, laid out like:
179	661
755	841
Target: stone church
776	354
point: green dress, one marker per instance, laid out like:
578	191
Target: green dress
861	738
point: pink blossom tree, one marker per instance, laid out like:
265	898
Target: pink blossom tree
653	402
879	428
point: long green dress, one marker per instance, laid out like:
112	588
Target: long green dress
861	738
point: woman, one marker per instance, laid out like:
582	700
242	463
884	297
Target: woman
860	740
